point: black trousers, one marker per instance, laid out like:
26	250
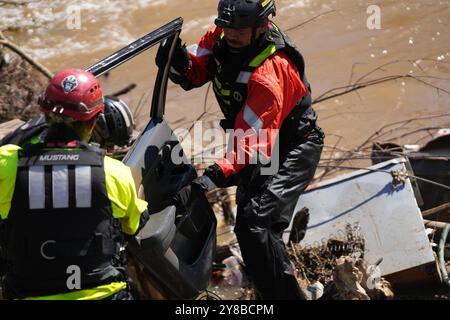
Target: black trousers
265	208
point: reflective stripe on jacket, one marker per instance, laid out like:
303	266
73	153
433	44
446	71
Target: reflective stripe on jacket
273	89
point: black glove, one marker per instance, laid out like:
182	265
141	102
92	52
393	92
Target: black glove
180	58
212	178
183	197
215	174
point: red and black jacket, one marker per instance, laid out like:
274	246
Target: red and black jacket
265	91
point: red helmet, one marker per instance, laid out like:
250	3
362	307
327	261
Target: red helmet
74	93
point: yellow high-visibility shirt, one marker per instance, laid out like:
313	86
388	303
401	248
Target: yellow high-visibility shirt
126	206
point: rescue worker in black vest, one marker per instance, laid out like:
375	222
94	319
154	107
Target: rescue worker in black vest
65	206
114	127
259	80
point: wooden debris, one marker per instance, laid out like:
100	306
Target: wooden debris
440	213
9	126
347	279
299	225
355	280
337	269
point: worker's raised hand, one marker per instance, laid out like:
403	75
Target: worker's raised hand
180	58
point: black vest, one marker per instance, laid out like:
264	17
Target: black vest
230	79
60	219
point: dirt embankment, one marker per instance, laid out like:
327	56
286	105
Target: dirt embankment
20	86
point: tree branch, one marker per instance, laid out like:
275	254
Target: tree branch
309	20
10	45
354	87
124	90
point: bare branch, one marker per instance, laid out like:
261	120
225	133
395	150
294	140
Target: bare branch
413	62
124	90
403	122
25	56
355	87
352	72
309	20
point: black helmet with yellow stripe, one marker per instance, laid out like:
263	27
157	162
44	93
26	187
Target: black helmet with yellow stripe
239	14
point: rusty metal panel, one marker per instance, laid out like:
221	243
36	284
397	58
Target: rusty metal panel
386	215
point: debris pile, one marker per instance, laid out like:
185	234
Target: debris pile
336	270
20	87
317	263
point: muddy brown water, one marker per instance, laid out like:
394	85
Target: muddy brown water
339	49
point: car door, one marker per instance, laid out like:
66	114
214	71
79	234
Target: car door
177	244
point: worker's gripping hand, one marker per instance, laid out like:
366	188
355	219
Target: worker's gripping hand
212	178
180	58
216	176
205	183
183	197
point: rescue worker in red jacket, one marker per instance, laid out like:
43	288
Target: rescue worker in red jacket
64	205
259	80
